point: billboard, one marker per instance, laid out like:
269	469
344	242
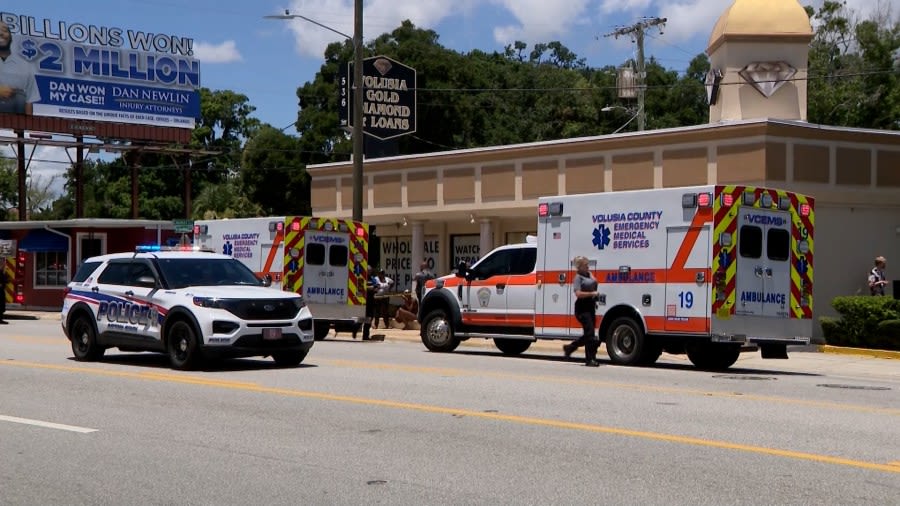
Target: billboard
389	97
97	73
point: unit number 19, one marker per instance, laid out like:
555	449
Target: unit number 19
686	299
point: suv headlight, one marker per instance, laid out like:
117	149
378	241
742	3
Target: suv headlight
210	302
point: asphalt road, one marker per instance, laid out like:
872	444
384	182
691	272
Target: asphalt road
390	423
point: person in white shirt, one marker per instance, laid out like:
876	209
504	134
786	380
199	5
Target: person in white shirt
382	298
877	280
18	87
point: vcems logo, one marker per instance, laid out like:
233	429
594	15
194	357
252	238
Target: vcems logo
767	220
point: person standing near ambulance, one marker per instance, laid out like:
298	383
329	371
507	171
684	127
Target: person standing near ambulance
877	279
585	287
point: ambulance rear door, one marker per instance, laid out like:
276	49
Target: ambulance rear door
763	262
325	271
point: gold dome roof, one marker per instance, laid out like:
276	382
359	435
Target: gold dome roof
754	19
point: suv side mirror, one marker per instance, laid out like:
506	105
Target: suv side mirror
267	280
461	270
146	281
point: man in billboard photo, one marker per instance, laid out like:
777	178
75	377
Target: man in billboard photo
18	88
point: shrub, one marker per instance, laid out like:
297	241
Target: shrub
889	335
833	330
859	322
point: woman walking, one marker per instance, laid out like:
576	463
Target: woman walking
585	287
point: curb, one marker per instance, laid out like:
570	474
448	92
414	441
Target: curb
860	352
413	336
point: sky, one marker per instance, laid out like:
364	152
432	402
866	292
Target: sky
267	60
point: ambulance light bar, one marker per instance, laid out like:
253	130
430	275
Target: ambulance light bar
550	209
704	199
784	203
200	229
748	198
765	201
804	209
727	200
276	226
692	200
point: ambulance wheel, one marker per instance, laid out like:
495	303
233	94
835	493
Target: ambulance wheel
84	340
182	345
320	330
652	351
625	342
511	346
713	356
437	332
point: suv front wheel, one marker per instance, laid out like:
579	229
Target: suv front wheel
183	348
437	332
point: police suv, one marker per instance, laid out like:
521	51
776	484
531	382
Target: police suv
185	303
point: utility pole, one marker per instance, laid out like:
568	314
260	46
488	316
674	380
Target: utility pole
637	32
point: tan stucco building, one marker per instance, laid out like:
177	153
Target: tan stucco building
757	135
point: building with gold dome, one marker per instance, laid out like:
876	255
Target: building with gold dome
450	206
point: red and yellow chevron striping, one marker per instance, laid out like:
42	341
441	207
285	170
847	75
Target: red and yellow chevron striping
358	264
9	290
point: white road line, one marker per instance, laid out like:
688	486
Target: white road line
48	425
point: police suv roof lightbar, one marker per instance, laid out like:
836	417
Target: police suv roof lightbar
153	248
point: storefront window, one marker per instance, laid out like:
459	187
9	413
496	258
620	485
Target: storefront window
51	269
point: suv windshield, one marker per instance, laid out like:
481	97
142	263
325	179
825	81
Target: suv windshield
184	272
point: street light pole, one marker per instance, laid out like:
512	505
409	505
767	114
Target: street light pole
358	146
357	132
635	114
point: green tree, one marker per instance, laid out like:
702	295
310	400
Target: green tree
224	200
273	173
9	188
852	67
225	124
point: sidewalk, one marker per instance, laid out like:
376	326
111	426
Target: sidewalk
551	345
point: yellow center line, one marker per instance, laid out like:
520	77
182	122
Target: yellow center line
612	384
42	340
425	408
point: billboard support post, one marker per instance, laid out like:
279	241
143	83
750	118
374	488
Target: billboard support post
23	193
135	164
79	177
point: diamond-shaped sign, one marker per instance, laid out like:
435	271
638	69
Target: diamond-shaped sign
768	77
389	98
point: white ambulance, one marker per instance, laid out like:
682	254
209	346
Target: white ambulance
709	271
323	259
